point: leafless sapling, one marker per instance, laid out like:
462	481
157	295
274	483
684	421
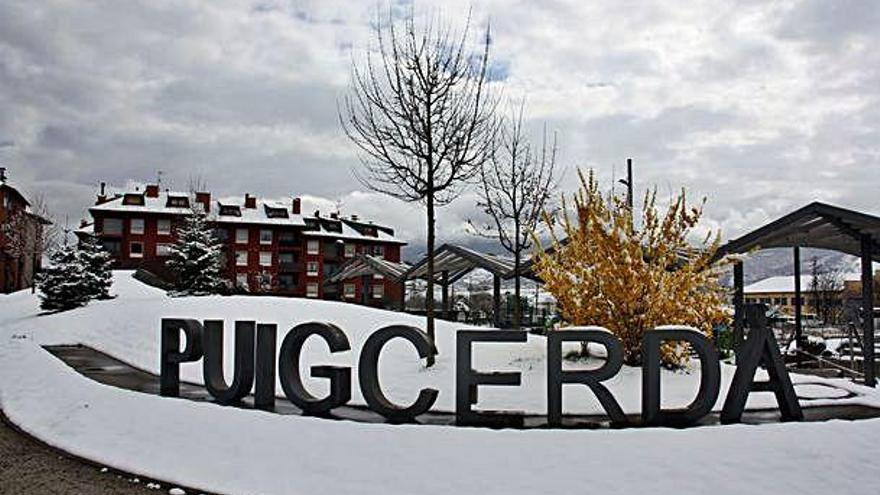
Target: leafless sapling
516	186
420	114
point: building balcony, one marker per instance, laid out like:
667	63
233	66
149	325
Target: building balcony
290	266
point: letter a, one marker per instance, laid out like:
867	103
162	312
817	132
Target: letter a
760	349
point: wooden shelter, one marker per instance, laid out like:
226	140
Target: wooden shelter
823	226
366	266
452	262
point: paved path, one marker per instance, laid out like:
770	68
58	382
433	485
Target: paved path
30	467
108	370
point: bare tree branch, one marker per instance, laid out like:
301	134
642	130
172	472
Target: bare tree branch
517	185
419	113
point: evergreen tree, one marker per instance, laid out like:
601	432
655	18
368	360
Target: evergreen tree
62	283
197	259
97	262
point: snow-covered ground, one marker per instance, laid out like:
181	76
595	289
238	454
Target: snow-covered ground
238	451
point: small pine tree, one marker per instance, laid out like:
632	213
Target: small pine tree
97	262
61	284
196	259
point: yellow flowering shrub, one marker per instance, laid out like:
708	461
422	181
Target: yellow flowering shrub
605	271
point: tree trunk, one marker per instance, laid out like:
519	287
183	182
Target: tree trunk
517	307
429	294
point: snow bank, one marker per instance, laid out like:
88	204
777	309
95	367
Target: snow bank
229	450
127	327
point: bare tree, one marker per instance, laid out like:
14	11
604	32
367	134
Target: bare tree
419	112
517	184
826	291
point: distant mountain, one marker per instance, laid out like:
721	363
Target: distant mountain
780	261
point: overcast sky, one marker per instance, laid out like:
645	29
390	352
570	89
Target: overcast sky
760	107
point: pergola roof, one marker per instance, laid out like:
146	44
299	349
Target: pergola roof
365	264
817	225
457	261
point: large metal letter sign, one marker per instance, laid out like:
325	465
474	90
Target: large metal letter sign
171	356
264	390
368	373
710	377
760	349
467	380
288	368
243	375
556	377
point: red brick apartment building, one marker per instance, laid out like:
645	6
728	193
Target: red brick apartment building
21	234
270	247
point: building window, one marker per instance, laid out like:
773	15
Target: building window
313	247
136	250
348	290
163	249
241	258
265	258
378	291
379	251
163	226
112	226
137	226
178	202
312	290
265	236
241	236
349	250
312	268
241	280
112	246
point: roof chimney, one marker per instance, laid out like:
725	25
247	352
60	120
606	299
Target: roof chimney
152	191
102	196
334	215
205	199
296	206
354	218
3	174
250	201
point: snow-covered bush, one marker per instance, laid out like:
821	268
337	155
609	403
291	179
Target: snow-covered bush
196	259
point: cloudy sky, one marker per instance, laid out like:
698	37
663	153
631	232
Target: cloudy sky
759	106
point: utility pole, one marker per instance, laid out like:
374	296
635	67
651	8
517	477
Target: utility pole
628	182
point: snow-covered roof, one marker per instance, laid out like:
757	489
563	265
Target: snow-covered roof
249	216
258	215
157	204
350	233
785	283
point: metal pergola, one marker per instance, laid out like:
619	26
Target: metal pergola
452	262
823	226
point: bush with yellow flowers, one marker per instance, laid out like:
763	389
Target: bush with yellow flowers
604	270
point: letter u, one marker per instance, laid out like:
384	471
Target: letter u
243	378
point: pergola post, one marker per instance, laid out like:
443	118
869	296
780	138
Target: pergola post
868	310
798	304
496	299
444	282
403	295
738	305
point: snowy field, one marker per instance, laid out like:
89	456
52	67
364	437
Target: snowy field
238	451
